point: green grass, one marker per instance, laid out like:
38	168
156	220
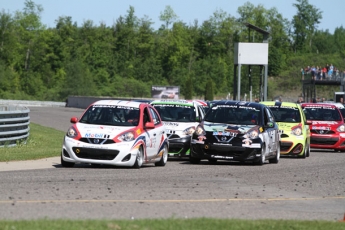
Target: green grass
43	142
47	142
167	224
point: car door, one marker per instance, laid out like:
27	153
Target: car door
272	132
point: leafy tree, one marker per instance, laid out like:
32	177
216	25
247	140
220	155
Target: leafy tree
209	90
168	16
305	24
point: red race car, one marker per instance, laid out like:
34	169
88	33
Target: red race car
327	129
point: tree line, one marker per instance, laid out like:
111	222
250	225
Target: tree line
128	57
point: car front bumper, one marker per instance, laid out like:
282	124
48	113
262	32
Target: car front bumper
179	147
334	141
117	154
225	152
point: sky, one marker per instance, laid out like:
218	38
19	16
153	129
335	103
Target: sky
108	11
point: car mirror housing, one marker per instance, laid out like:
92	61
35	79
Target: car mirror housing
74	120
149	125
270	124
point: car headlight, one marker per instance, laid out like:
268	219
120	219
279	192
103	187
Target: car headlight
297	131
189	131
129	136
200	130
72	132
253	134
341	128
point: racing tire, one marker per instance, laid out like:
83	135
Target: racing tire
308	151
194	160
66	164
164	158
275	159
139	158
212	160
262	159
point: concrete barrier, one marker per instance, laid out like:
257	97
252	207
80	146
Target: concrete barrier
14	125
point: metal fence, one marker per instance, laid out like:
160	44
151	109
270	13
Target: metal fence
14	125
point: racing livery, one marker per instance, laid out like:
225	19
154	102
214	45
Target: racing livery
180	118
236	131
115	132
327	129
295	132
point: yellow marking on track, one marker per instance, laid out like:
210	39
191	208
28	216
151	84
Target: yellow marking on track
170	201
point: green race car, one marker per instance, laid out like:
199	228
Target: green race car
295	132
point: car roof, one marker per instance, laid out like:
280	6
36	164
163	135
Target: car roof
279	104
134	104
172	102
239	103
338	104
318	105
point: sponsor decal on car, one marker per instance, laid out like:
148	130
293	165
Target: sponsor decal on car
171	123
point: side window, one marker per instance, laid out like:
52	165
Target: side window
201	113
146	116
155	117
269	115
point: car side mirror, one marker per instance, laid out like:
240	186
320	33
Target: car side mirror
270	124
74	120
149	125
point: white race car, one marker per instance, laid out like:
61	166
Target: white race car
180	118
119	133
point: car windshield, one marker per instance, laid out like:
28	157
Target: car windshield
286	114
228	114
111	115
180	113
322	114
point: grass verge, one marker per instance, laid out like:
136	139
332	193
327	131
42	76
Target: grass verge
167	224
46	142
43	142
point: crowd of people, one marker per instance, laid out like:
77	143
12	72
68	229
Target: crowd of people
328	72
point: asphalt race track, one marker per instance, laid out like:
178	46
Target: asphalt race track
303	189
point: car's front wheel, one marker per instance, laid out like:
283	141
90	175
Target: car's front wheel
262	158
276	158
66	163
193	160
139	158
164	158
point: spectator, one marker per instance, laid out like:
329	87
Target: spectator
302	72
300	100
324	73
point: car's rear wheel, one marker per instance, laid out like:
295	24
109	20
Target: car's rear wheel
66	163
139	158
275	160
164	158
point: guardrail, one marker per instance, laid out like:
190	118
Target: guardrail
14	125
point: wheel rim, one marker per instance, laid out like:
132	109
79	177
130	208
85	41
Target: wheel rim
139	157
165	155
263	155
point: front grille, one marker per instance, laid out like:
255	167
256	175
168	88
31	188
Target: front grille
323	141
97	141
285	146
322	131
173	136
234	141
95	154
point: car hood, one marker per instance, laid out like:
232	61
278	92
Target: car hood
328	124
218	127
100	131
287	126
